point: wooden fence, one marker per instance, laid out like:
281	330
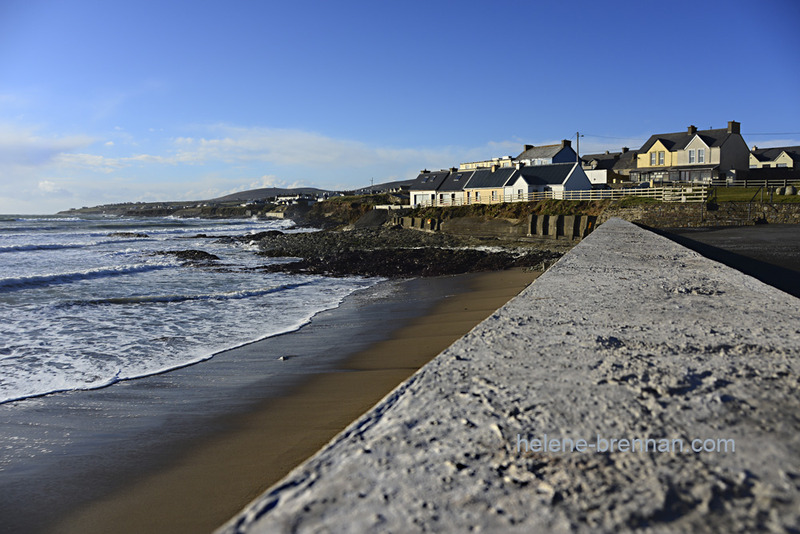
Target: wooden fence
693	193
758	183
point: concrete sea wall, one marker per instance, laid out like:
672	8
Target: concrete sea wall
677	215
531	422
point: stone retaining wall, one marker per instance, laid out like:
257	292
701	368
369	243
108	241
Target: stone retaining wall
572	227
669	215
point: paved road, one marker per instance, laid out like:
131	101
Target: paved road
770	252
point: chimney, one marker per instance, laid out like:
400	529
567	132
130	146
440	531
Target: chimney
453	169
625	149
494	168
527	147
424	171
520	165
607	152
692	129
733	127
754	148
566	143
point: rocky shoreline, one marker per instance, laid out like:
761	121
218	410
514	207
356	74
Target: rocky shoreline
395	252
392	252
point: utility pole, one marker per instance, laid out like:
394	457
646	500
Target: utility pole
578	145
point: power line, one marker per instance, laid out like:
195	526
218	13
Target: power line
610	137
634	137
780	133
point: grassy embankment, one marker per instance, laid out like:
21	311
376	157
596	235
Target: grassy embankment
749	194
341	211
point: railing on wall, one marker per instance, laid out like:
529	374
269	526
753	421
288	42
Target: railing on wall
783	182
694	193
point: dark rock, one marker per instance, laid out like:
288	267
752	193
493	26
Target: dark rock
191	256
127	234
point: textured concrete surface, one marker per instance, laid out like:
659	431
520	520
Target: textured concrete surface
628	336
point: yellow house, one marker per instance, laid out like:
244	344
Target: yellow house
692	156
487	186
658	155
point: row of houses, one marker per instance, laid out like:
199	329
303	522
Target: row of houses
496	184
694	156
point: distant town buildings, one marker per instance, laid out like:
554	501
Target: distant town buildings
690	156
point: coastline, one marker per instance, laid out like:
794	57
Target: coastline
200	483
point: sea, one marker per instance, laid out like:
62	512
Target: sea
86	302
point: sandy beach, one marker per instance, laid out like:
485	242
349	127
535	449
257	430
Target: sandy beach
204	484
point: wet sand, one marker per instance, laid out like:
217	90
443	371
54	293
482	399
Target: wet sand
768	252
205	484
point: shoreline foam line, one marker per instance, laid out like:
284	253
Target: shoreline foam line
218	476
300	323
629	334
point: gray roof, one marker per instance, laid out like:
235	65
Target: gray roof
770	154
429	181
612	160
554	174
485	178
679	140
456	181
604	161
544	151
626	161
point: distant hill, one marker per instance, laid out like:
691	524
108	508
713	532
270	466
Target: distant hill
268	192
384	187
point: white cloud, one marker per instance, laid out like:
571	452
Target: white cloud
21	147
47	186
209	162
285	147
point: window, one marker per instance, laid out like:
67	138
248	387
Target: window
494	196
519	194
661	158
652	158
701	155
782	165
691	155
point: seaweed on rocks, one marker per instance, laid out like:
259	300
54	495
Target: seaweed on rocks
392	252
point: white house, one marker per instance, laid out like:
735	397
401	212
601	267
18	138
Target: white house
423	190
557	178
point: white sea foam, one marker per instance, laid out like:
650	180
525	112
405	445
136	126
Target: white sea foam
81	310
15	283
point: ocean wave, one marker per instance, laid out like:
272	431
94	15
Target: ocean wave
156	299
40	280
49	219
43	246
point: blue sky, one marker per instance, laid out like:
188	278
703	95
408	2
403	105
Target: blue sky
162	100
